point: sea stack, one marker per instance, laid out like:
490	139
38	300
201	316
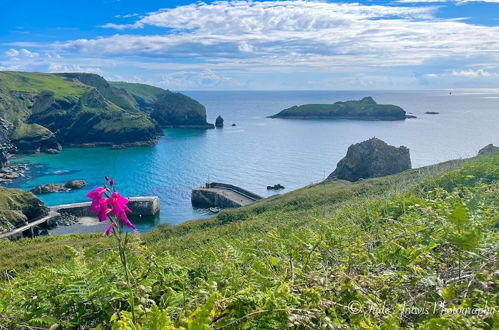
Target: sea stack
219	122
370	159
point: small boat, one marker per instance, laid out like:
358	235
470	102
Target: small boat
215	209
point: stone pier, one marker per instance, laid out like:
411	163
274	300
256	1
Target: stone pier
222	195
143	205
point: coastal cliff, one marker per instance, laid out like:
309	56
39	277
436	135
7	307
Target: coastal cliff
42	112
364	109
168	109
18	207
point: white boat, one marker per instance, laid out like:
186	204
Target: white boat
215	209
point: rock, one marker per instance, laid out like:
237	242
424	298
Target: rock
33	138
410	117
58	187
3	159
52	151
118	146
233	124
432	113
219	122
488	149
371	158
275	187
48	188
75	184
18	207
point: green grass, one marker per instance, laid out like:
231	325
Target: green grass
146	92
23	130
16	206
37	82
423	237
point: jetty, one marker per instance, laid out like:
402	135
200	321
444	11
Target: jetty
143	205
223	195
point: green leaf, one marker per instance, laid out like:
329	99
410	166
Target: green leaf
449	292
459	216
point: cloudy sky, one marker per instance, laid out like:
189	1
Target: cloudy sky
259	45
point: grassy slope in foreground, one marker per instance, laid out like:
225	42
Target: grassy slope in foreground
296	260
365	109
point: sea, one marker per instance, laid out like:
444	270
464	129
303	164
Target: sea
258	151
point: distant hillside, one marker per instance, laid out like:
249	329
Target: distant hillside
169	109
41	112
365	109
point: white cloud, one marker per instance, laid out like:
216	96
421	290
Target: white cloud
441	1
480	73
307	33
28	53
12	52
58	67
474	73
194	79
23	52
239	43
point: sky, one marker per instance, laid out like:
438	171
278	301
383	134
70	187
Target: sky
259	45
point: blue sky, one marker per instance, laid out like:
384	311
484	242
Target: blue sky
258	45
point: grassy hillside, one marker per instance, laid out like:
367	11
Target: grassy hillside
369	254
169	109
72	108
365	109
146	94
16	207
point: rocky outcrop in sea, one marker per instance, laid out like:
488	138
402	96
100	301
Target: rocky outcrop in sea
58	187
219	122
370	159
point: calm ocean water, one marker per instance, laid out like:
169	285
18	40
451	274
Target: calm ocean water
261	151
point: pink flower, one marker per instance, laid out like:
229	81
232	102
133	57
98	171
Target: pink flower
126	221
102	209
119	204
119	208
109	229
96	195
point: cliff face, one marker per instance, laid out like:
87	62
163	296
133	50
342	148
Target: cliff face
364	109
5	144
18	207
370	159
167	108
41	112
175	109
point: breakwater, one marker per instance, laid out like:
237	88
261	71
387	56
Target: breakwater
222	195
141	205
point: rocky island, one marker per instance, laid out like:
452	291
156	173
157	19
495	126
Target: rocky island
370	159
41	112
364	109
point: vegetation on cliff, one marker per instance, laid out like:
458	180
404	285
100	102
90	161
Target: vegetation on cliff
415	249
169	109
18	207
46	110
365	109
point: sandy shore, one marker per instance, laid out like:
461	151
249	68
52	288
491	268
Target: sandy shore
84	225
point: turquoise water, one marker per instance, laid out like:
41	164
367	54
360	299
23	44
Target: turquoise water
260	151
